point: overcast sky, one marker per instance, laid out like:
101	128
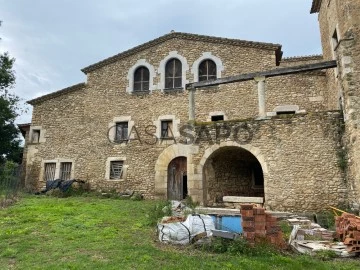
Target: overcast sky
53	39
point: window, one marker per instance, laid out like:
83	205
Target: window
65	170
141	79
173	74
116	169
50	169
166	129
121	133
215	118
207	70
35	136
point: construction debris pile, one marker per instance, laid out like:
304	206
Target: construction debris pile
348	231
260	225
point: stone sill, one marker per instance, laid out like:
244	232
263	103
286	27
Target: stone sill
115	180
239	199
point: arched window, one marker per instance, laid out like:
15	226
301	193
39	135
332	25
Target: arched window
141	79
207	70
173	74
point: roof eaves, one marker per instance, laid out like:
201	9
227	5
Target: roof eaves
187	36
56	93
303	58
315	7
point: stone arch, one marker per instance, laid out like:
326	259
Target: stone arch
161	166
255	151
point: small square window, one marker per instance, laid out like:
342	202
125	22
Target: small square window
166	129
121	133
116	169
215	118
35	137
65	170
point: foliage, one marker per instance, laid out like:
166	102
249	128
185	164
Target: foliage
159	210
94	233
10	148
9	183
191	204
325	255
286	229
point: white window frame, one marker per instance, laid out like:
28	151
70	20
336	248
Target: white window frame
108	168
131	73
161	70
207	56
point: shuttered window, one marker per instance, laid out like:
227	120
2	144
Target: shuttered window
65	170
173	74
49	171
116	169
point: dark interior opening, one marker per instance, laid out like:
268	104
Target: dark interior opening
185	188
215	118
258	175
285	112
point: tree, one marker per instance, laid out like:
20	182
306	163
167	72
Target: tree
9	106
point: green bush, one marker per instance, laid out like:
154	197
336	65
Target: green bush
159	210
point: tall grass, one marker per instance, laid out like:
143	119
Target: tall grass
10	182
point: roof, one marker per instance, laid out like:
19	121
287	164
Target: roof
187	36
57	93
24	128
315	7
303	58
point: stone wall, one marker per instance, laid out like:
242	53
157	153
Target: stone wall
343	15
77	126
299	157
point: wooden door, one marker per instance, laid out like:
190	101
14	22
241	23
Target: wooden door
177	180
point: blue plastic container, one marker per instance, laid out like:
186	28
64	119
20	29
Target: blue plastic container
227	223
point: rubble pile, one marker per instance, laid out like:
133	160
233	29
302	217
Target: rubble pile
348	231
259	225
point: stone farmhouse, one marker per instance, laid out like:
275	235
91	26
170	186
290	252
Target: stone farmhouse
211	117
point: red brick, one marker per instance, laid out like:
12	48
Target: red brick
259	211
249	229
248	218
247	213
246	207
249	235
248	224
260	218
260	226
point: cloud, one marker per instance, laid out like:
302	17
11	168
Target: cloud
53	40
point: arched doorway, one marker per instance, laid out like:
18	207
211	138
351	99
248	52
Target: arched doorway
177	179
232	171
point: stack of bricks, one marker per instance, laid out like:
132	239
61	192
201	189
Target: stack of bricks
257	225
348	231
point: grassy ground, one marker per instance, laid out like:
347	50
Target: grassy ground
42	232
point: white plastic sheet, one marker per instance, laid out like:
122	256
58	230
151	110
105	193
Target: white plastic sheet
183	232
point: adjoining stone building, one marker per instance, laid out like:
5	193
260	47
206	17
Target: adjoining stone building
128	126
